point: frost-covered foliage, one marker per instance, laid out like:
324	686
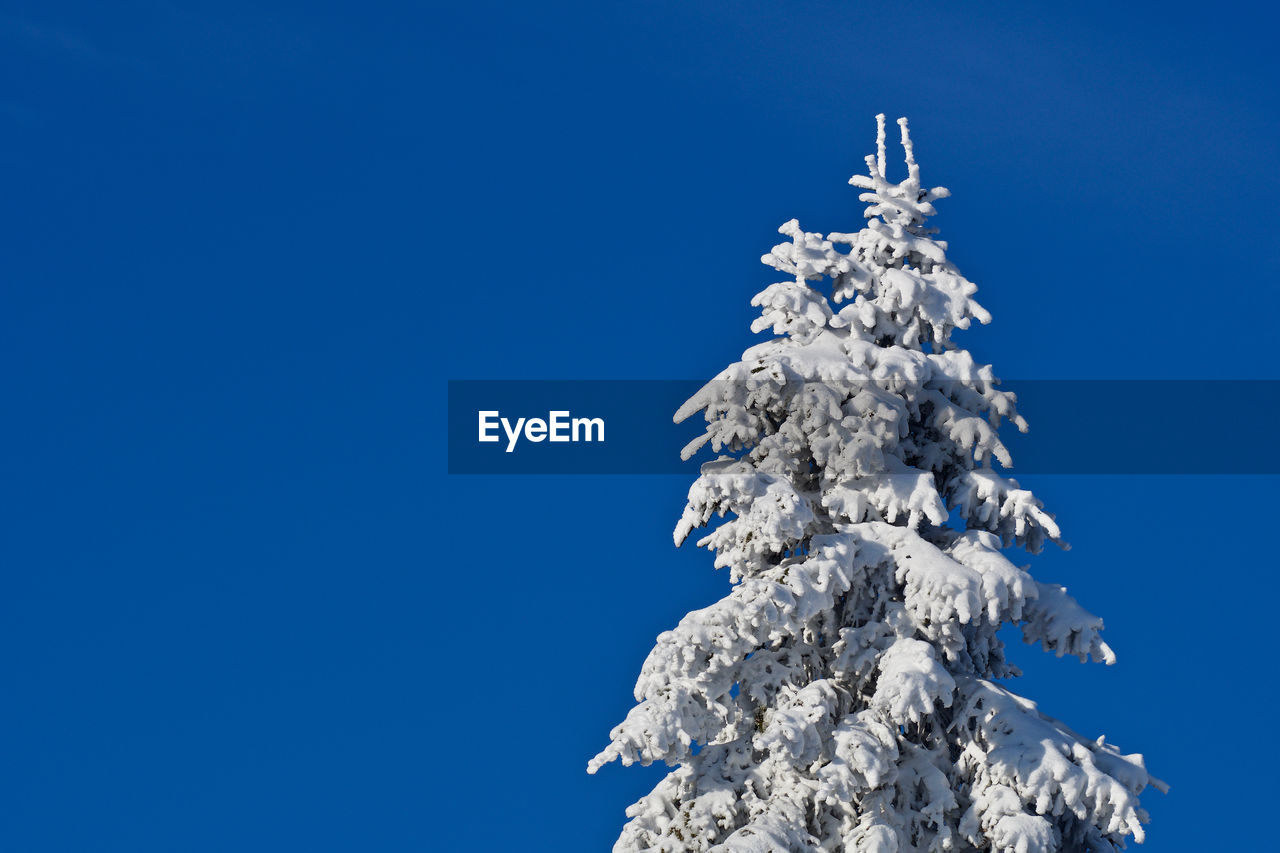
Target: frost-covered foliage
842	696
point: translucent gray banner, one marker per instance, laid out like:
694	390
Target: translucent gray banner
1076	426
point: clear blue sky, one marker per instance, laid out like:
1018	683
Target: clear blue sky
244	607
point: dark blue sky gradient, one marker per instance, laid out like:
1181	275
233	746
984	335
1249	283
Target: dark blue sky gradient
244	247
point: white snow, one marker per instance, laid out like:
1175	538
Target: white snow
843	695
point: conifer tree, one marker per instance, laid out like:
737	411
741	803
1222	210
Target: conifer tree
844	695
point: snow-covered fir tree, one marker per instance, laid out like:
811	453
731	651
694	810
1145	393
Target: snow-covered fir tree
844	695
